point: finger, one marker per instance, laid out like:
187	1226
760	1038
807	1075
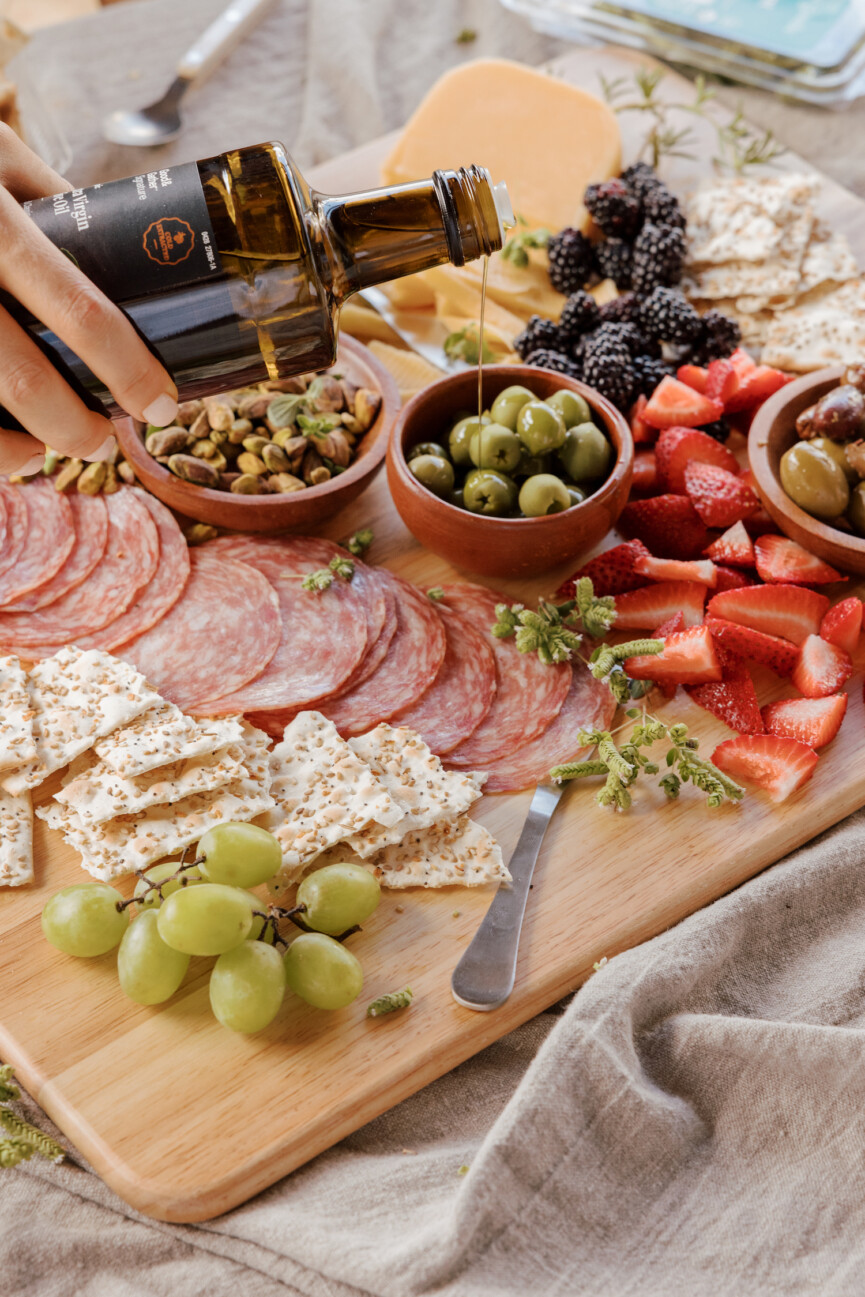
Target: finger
46	282
20	453
23	173
32	390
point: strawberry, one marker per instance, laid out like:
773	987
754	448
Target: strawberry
611	572
667	524
721	381
742	363
842	624
791	611
733	701
821	668
777	765
760	524
720	497
735	546
671	626
689	657
674	404
814	721
755	387
779	655
645	480
640	609
780	559
693	376
677	447
640	430
729	578
676	569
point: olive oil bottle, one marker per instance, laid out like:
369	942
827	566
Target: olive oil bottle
233	270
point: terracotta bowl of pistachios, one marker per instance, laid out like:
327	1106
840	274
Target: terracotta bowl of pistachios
279	456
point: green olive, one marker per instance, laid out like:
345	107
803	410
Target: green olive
456	498
571	407
856	509
540	427
529	465
577	495
814	481
427	448
543	494
508	404
586	452
433	472
835	450
495	446
489	492
460	436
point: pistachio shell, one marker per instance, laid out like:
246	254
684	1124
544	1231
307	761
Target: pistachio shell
194	470
68	473
239	429
319	475
366	406
297	383
167	441
249	463
247	484
220	414
126	473
253	407
218	436
275	458
199	532
52	459
203	449
255	443
188	412
325	394
351	423
286	483
92	479
288	439
200	426
111	483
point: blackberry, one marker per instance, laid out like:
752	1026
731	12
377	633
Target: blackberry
668	316
641	179
544	358
662	208
648	373
607	364
719	337
572	260
620	310
614	208
613	258
579	315
538	333
659	253
620	334
719	430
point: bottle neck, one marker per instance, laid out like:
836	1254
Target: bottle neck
382	234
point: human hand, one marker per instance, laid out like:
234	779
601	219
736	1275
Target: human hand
51	288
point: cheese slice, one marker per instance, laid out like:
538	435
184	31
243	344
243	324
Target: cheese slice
546	139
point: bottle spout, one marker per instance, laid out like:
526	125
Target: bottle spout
504	208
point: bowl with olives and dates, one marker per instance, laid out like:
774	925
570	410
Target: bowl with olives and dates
807	452
538	479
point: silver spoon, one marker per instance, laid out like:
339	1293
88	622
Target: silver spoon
160	122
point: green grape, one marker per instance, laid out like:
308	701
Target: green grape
258	920
148	898
247	985
149	971
337	897
239	855
83	919
322	972
207	919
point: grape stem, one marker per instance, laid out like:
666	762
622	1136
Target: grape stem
150	886
280	912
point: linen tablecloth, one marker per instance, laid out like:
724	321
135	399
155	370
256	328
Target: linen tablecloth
692	1121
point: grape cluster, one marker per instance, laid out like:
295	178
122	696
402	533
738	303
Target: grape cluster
206	908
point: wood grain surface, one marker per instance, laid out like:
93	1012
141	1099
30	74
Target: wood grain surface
230	1114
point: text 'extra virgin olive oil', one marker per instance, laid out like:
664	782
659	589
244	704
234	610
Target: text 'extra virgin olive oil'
233	270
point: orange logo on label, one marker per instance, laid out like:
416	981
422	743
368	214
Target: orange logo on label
169	240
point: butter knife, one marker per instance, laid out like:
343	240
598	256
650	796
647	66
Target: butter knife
424	334
484	977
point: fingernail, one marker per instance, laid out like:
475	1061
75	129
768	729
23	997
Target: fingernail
162	411
102	453
34	465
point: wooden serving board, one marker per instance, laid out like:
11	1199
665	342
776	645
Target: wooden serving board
603	883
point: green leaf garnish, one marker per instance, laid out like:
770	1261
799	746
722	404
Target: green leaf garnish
464	345
517	246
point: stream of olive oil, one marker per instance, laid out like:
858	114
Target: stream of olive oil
481	363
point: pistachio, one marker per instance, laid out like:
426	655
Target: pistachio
68	473
295	384
219	462
92	479
288	439
218	436
253	407
311	461
220	414
335	446
283	410
188	412
352	423
247	484
239	429
200	427
52	459
226	479
349	391
325	395
319	475
366	406
126	473
251	464
203	449
111	483
286	483
199	532
275	458
167	441
113	454
194	470
255	443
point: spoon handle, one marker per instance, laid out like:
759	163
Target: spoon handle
220	38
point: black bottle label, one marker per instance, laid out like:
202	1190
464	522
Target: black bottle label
134	237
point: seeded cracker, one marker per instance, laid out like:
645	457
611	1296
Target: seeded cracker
416	780
16	839
77	698
777	276
164	735
462	853
17	743
743	218
826	327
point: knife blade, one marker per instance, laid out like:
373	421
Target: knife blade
424	334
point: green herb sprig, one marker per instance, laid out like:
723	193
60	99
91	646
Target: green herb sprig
516	250
22	1140
390	1003
464	344
359	542
318	426
321	580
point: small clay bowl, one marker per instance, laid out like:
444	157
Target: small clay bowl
271	513
772	433
503	547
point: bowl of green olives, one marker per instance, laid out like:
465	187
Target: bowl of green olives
806	446
538	479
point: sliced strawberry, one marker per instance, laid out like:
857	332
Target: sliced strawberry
842	624
760	524
675	404
611	572
645	480
721	380
667	524
821	668
640	430
779	655
676	569
777	765
780	559
671	626
730	578
693	376
734	547
733	701
641	609
677	447
689	658
754	388
720	498
814	721
742	363
791	611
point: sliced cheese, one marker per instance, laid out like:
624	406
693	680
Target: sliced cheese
513	292
409	371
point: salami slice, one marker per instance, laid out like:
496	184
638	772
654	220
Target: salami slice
462	692
375	585
90	518
130	560
49	541
17	522
528	694
162	591
589	704
224	630
3	518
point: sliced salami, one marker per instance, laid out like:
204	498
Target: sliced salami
160	594
3	518
130	560
224	630
49	541
462	692
17	522
529	695
589	704
90	518
376	587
